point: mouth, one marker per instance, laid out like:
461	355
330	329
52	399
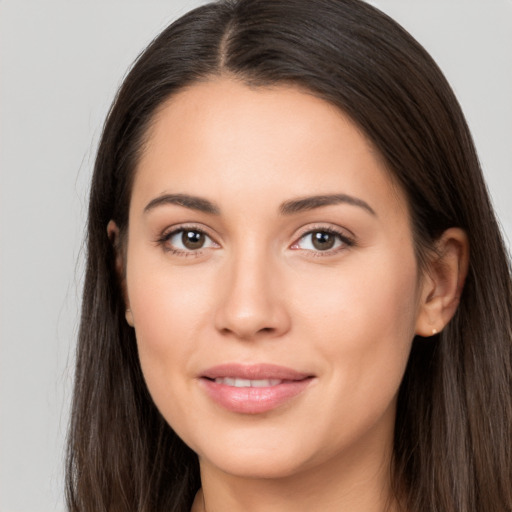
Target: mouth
253	389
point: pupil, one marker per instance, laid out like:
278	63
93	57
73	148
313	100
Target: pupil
192	239
322	240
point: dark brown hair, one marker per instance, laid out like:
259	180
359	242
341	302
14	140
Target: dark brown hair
453	435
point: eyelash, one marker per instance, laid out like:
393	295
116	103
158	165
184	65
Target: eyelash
164	239
346	241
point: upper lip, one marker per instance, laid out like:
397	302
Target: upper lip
253	372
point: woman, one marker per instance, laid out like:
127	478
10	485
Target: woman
297	296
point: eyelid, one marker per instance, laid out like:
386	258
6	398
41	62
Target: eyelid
191	226
329	227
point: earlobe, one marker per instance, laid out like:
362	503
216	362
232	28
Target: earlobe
114	237
443	282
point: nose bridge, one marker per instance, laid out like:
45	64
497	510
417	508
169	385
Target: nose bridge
250	305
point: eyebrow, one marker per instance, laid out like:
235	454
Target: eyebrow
191	202
287	208
312	202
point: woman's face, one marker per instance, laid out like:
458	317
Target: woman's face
271	280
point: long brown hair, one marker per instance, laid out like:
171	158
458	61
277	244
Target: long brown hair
453	435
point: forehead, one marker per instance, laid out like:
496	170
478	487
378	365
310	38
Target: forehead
222	137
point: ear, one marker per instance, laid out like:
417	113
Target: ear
443	282
114	237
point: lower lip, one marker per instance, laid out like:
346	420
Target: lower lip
254	400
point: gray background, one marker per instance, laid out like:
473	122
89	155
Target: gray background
60	65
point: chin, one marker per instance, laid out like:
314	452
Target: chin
261	466
270	459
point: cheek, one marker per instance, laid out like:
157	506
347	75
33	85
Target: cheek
165	297
170	309
363	321
373	293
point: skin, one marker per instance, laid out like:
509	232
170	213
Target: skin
259	291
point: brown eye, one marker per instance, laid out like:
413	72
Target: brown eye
322	240
192	239
187	240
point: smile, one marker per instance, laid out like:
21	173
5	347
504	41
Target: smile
253	389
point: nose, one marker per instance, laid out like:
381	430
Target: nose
251	302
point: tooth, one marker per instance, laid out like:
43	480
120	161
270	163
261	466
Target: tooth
262	383
246	383
265	383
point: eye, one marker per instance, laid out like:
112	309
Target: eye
186	240
322	240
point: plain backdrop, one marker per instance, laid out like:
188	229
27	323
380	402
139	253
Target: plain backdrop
61	62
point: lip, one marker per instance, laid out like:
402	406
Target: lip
253	400
253	372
